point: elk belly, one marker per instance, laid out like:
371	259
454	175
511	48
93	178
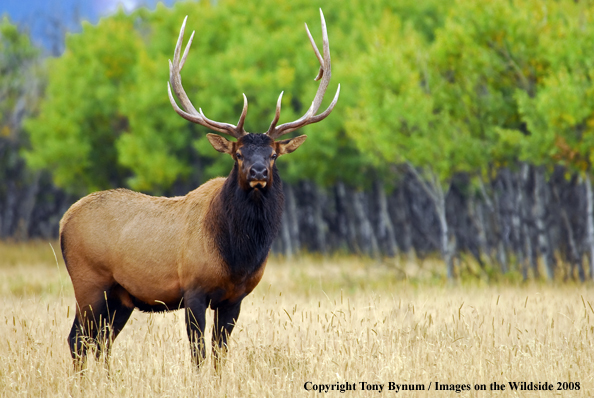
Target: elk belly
151	289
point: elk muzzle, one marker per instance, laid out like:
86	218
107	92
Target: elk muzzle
258	175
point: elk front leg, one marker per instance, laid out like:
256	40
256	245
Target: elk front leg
224	321
195	323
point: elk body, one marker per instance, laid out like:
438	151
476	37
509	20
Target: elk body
126	250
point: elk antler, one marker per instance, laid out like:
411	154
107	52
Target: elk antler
190	112
325	73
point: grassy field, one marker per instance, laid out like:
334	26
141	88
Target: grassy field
312	323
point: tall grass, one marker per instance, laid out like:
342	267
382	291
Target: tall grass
324	321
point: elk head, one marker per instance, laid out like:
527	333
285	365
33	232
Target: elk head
254	154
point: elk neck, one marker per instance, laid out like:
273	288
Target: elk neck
246	223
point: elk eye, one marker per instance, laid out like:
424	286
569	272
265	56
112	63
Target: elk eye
238	156
274	156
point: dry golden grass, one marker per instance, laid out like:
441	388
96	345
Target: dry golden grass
326	321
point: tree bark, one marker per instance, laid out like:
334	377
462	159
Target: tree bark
517	224
499	211
26	209
385	228
529	258
9	210
346	218
475	212
489	220
290	227
367	238
539	218
445	243
590	222
312	197
574	255
403	213
434	189
287	246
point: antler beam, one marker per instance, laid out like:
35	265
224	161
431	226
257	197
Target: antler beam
324	74
190	112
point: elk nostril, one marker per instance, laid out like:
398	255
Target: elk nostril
258	172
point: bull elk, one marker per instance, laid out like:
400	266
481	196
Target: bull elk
126	250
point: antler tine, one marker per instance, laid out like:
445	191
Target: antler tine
277	113
180	40
317	52
243	114
324	75
183	60
190	113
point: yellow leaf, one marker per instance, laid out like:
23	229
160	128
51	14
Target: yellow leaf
5	132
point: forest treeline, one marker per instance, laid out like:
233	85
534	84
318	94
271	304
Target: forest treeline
463	128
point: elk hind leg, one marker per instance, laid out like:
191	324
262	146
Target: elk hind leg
86	331
78	344
98	322
118	313
224	322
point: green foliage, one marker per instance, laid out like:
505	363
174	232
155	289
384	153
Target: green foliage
20	82
397	119
468	86
560	113
500	82
17	59
518	77
106	120
79	121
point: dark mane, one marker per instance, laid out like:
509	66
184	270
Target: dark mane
247	222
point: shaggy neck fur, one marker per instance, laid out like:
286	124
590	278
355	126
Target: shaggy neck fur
247	222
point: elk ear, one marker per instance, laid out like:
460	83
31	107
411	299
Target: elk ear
221	144
287	146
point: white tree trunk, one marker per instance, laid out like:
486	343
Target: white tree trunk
385	228
590	222
445	242
403	219
368	241
435	191
526	233
290	223
539	219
